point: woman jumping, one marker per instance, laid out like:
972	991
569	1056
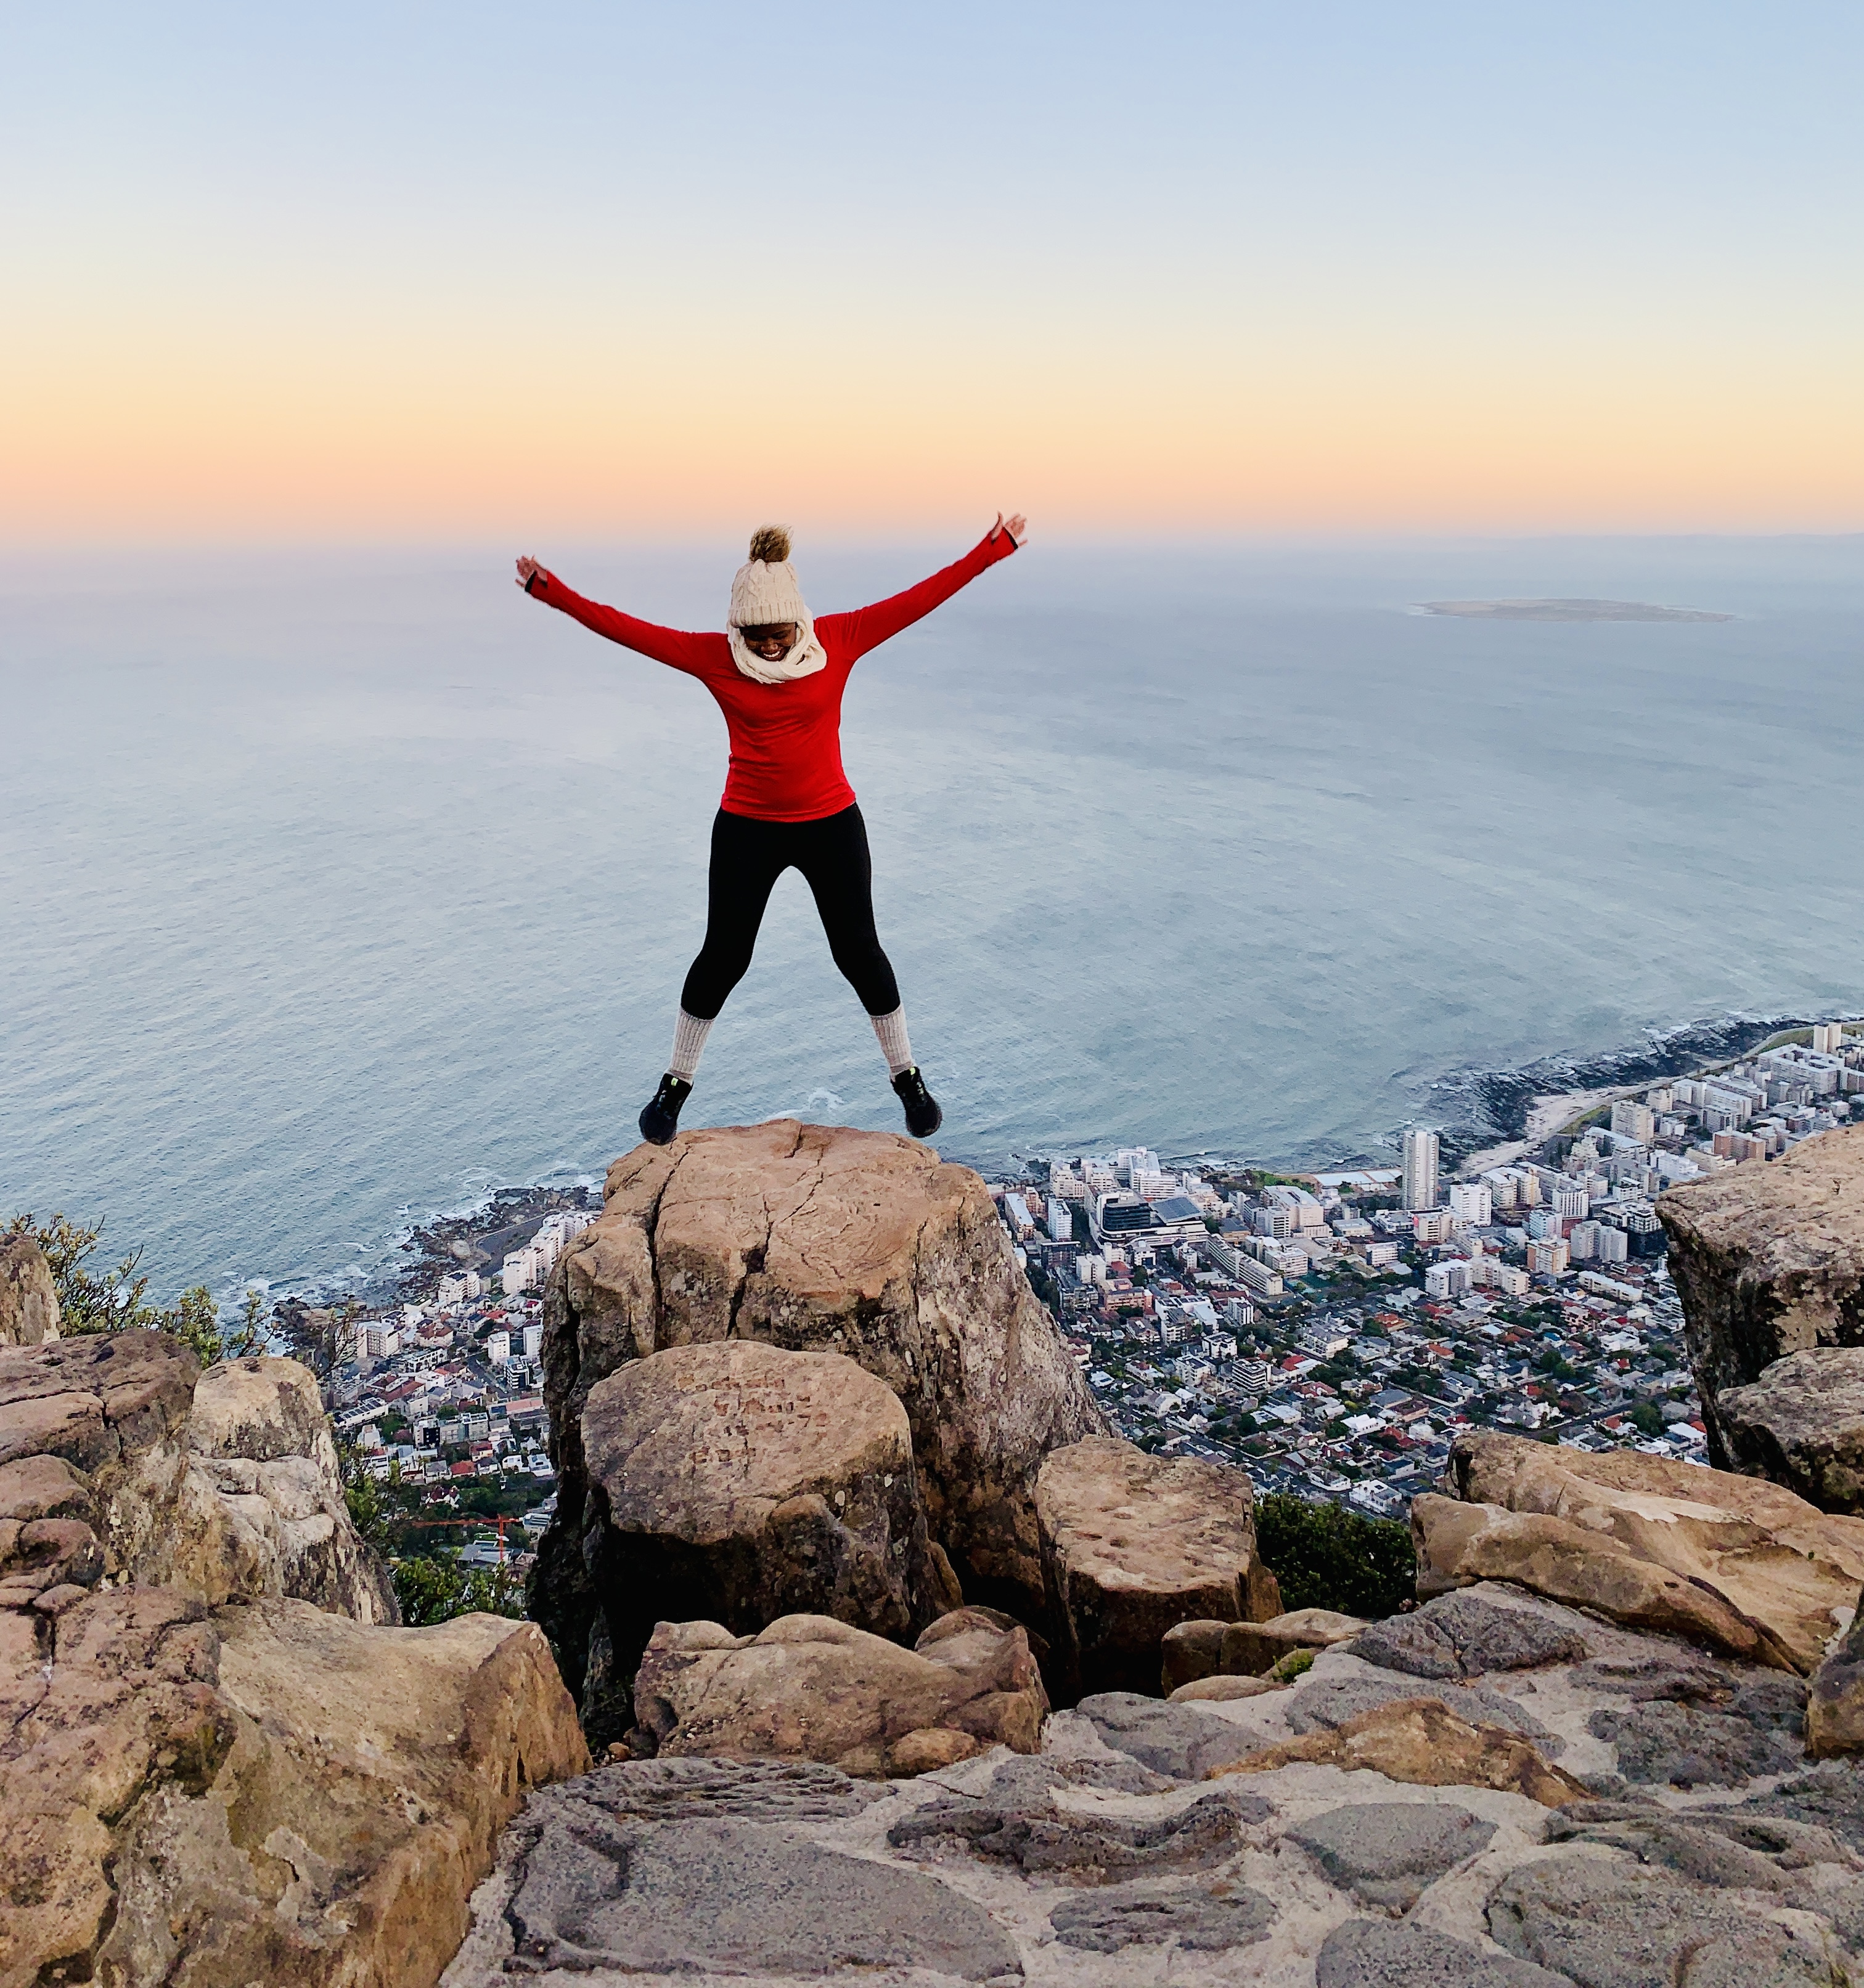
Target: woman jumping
778	675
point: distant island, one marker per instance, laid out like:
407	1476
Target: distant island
1568	610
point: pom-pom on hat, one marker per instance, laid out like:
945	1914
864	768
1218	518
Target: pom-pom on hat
765	594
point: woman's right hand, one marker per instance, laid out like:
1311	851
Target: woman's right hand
528	570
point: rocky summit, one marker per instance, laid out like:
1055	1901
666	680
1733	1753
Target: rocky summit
898	1668
818	1239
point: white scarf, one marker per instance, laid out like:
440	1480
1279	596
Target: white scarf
804	659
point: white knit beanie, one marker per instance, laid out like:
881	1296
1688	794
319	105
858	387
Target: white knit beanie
765	593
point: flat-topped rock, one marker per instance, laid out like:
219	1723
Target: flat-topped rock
1801	1424
1768	1260
808	1688
1133	1544
736	1482
1741	1564
1387	1853
819	1238
1464	1634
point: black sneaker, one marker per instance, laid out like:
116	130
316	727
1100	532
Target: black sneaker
660	1115
923	1117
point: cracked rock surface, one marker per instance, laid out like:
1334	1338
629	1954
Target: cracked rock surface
208	1781
735	1482
1100	1861
817	1239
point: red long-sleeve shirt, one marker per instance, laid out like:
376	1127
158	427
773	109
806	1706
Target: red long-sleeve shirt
786	738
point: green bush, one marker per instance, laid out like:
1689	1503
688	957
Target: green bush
436	1590
1325	1557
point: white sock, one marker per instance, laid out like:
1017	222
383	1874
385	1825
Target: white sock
689	1035
894	1044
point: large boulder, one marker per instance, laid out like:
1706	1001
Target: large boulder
1801	1424
259	1435
1768	1261
266	1792
808	1688
1133	1544
29	1299
818	1239
1739	1564
735	1482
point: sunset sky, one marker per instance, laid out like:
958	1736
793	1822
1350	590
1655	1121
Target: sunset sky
422	272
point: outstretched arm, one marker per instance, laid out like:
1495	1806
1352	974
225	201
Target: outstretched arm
868	627
673	647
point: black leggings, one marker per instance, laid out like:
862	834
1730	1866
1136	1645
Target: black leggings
747	858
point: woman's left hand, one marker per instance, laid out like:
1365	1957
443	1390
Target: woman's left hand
1017	527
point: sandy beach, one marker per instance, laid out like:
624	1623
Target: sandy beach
1546	1116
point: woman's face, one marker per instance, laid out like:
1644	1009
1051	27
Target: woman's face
772	640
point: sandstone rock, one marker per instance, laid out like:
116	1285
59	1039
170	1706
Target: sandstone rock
1801	1424
592	1890
1178	1739
259	1438
810	1688
1387	1853
1250	1649
1151	1913
261	1409
737	1483
1768	1260
1464	1634
1421	1741
1133	1544
1220	1690
1602	1924
818	1239
29	1299
1374	1953
273	1793
1189	1651
1743	1565
1835	1706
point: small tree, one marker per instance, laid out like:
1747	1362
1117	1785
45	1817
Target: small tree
1323	1556
116	1300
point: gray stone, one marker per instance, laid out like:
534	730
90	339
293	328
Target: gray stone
1463	1634
598	1890
1801	1424
1018	1820
1386	1853
1607	1925
1151	1914
1175	1739
1333	1701
1660	1741
1375	1953
680	1790
1835	1707
1831	1797
1709	1856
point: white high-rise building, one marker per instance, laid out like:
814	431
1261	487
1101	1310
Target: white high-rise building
1420	1168
1060	1220
1632	1120
1469	1201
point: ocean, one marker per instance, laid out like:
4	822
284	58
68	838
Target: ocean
337	888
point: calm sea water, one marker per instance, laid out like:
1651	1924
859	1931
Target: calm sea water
334	890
